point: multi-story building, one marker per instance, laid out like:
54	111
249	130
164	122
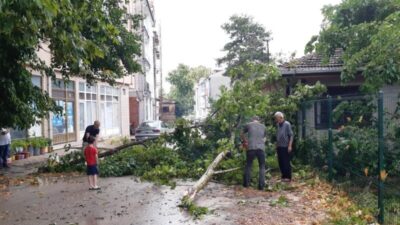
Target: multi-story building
207	89
145	93
114	105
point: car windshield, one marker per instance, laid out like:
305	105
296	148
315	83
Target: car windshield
149	124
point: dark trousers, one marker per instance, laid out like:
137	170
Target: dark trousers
284	162
4	151
250	155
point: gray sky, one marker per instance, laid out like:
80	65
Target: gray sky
191	29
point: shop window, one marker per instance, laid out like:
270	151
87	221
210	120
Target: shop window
63	124
110	107
87	105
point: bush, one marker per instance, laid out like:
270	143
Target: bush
312	151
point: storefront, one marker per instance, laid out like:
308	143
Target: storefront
103	103
63	125
110	112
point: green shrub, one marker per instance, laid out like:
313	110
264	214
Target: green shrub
312	151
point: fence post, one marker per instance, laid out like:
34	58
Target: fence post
330	144
303	120
381	158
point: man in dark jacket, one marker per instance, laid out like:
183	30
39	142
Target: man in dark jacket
256	148
91	130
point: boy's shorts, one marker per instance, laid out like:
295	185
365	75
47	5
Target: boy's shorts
92	170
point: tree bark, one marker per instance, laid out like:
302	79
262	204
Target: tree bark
110	151
202	182
119	148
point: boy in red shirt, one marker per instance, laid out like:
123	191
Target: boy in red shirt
91	157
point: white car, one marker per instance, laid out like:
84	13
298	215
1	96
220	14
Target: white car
151	129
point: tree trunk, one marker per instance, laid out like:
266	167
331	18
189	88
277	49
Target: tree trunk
109	151
202	182
119	148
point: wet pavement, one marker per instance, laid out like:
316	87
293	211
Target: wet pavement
121	201
59	199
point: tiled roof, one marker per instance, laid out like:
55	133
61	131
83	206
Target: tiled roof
313	63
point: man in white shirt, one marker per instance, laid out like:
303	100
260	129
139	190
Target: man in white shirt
5	141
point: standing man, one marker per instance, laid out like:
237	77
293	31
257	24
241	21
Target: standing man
5	141
91	130
256	147
284	141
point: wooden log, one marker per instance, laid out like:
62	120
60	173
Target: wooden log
119	148
202	182
110	151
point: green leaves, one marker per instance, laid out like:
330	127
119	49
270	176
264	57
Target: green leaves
248	44
368	32
86	39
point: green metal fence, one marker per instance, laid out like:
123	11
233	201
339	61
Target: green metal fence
355	140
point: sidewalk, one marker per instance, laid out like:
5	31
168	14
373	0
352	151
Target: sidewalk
24	167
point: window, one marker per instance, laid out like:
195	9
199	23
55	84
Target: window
321	114
87	105
110	107
165	109
149	124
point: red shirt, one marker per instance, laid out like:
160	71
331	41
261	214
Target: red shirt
90	155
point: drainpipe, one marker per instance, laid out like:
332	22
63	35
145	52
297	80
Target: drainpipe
49	130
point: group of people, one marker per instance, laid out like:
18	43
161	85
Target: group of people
255	146
255	141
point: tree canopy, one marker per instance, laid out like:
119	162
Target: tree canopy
248	42
368	31
87	39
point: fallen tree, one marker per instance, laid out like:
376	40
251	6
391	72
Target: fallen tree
206	177
202	182
110	151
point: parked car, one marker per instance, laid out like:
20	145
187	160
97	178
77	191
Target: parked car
151	129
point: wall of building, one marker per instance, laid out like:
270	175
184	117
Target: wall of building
168	112
114	111
208	89
146	83
216	82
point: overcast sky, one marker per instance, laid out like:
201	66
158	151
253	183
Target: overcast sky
191	29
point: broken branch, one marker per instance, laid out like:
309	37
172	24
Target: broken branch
227	171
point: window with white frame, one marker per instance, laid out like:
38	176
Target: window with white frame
87	105
110	107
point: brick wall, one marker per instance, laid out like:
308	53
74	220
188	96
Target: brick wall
133	111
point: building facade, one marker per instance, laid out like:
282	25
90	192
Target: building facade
207	89
168	111
134	95
146	87
313	68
